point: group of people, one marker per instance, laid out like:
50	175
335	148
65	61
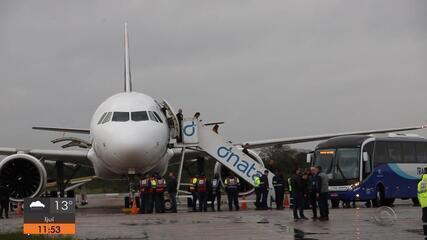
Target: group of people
309	188
200	189
152	193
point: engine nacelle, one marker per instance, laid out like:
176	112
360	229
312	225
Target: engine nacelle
24	175
245	188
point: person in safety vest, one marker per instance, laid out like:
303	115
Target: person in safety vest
422	198
257	181
202	190
159	195
232	187
216	193
143	187
193	190
152	186
279	189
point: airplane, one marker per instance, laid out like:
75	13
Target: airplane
130	133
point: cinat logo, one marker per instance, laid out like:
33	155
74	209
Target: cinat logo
241	165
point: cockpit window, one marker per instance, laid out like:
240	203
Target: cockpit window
152	116
120	117
158	117
139	116
107	118
102	117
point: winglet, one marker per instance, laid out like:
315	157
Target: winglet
128	81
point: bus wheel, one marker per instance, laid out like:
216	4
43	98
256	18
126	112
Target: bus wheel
381	201
389	202
335	203
415	202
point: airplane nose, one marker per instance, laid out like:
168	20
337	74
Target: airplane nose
131	149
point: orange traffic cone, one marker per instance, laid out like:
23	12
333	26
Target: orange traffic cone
18	210
286	201
244	205
134	209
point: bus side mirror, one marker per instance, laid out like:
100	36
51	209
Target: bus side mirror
365	156
309	157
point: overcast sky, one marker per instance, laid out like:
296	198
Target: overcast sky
268	69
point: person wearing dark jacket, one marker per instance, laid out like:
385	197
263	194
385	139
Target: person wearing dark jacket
263	188
279	189
216	193
4	200
314	190
298	195
172	190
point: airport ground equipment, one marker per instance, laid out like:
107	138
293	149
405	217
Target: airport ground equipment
198	136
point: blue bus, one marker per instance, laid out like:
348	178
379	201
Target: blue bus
364	168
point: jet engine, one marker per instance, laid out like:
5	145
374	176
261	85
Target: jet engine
24	175
245	187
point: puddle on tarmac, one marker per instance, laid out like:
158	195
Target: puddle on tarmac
416	231
297	233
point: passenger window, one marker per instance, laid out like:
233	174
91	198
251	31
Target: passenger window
158	117
107	118
421	152
139	116
394	152
120	117
152	117
367	165
102	117
380	153
408	152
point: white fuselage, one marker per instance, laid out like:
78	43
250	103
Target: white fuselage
127	136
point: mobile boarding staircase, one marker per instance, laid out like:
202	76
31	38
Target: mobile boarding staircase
195	135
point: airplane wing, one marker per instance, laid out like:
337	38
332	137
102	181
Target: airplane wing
67	156
61	129
270	142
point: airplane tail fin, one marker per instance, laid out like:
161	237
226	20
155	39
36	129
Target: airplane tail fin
128	81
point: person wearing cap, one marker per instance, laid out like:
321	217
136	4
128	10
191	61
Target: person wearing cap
422	198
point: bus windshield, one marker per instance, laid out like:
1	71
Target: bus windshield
347	164
339	164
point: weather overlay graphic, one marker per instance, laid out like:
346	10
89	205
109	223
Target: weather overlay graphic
49	216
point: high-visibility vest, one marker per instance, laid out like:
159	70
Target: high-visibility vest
201	185
232	182
422	191
153	185
289	185
161	185
257	181
193	182
143	184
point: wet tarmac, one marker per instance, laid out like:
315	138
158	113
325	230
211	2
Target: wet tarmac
103	219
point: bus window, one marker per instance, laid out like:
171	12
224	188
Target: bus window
421	152
394	152
380	153
348	162
367	163
324	159
408	150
